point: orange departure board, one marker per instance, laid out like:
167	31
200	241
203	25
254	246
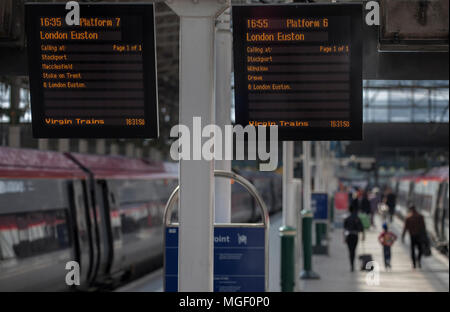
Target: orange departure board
299	67
96	79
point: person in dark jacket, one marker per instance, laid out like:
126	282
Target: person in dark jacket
352	228
365	203
415	225
360	202
391	202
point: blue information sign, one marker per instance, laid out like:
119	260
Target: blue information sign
319	206
239	259
171	259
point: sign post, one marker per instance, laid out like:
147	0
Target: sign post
222	207
307	216
197	24
289	228
240	250
319	199
319	205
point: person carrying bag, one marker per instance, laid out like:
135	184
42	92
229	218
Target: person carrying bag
352	228
415	225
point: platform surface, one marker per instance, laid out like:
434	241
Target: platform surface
334	269
335	275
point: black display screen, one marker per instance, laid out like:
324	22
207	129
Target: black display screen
96	79
299	67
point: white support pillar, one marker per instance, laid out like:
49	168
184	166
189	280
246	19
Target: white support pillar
289	211
306	175
318	161
196	213
296	186
223	42
326	168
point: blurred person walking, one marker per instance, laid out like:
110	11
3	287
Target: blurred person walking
352	228
383	210
387	239
415	225
365	203
354	202
361	202
391	202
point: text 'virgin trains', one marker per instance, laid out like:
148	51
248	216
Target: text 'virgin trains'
105	212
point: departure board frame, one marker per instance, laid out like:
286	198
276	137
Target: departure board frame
351	13
135	110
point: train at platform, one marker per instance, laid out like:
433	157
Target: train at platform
104	212
428	191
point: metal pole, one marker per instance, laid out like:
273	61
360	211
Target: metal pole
318	187
297	187
223	112
196	213
288	175
306	176
318	167
307	216
288	230
307	273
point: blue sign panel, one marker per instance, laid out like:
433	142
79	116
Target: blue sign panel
319	206
239	255
239	259
171	259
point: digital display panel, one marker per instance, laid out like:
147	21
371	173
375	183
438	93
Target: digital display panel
96	79
299	67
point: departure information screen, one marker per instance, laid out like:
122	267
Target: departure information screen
299	67
96	79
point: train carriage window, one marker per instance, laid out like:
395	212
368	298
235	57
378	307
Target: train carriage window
25	235
141	203
403	193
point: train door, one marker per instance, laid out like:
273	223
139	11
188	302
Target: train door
100	221
445	229
430	211
410	197
111	227
417	195
404	196
83	231
441	217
